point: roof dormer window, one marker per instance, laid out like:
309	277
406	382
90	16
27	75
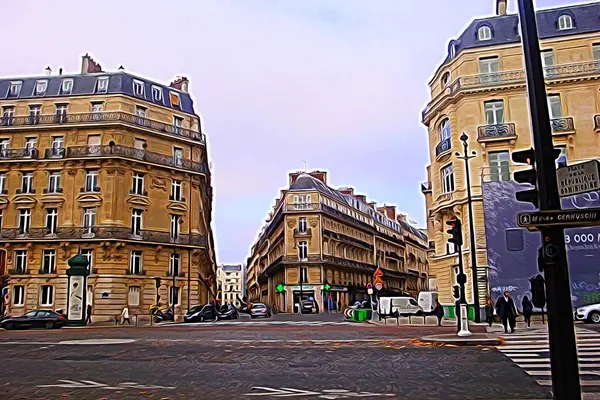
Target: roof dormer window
138	88
452	50
15	89
102	84
484	33
175	100
66	86
565	22
40	88
157	94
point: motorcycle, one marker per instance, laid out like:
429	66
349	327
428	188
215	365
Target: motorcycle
162	315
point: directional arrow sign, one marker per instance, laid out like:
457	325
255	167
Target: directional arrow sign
378	273
536	219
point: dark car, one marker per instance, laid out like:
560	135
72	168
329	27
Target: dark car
35	319
306	307
228	311
260	310
201	313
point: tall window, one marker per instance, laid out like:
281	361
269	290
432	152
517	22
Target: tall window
596	51
303	274
66	86
89	255
174	295
157	94
61	113
302	202
178	155
488	65
89	219
30	145
445	132
91	181
484	33
4	147
47	298
494	112
97	110
547	58
2	183
27	182
57	149
18	295
49	263
135	262
138	88
34	114
133	296
8	113
54	182
499	166
102	84
554	106
303	250
565	22
448	179
138	184
51	220
175	220
136	222
445	79
176	190
302	225
24	221
21	261
177	124
174	264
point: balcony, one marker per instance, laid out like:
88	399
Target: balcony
100	118
443	146
496	132
302	206
343	262
19	154
307	233
561	126
102	232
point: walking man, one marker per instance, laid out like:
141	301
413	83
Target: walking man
505	307
88	318
125	316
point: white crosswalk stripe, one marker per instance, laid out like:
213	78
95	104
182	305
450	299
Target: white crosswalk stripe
270	323
529	349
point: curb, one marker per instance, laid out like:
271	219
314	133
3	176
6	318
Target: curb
477	339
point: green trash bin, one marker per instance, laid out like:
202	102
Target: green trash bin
362	314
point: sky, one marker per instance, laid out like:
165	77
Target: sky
339	84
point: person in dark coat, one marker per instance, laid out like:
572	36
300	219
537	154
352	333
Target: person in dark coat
489	311
527	310
505	307
438	311
88	318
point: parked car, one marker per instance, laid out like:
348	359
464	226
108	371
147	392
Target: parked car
228	311
588	314
260	310
306	306
203	313
35	319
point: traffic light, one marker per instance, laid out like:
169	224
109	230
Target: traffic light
456	291
455	231
538	291
529	175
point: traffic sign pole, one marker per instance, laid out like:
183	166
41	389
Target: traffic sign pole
561	334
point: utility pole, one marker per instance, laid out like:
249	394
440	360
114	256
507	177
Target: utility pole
462	318
563	348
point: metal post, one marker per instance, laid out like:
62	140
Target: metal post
173	300
466	157
561	334
463	317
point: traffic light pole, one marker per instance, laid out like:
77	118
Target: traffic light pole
563	348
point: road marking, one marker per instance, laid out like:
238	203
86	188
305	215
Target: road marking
324	394
98	341
87	384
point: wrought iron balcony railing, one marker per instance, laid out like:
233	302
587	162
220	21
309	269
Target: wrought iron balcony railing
125	152
99	118
19	154
443	146
560	125
498	131
103	232
302	206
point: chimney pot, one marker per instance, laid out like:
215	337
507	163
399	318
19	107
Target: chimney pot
501	7
48	70
60	71
180	83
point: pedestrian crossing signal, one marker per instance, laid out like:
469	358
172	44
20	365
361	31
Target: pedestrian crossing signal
456	290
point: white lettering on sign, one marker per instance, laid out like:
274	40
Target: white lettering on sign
579	178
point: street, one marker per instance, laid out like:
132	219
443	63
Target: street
293	358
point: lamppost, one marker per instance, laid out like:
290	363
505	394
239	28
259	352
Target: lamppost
466	157
173	300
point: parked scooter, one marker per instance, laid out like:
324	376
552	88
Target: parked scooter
162	315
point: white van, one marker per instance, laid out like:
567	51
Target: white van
404	306
427	301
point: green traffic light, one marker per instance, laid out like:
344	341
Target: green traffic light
280	288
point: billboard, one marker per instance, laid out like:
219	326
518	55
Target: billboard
512	251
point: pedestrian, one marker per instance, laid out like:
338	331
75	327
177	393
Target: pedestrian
505	307
438	311
88	318
316	306
527	310
489	311
339	305
125	316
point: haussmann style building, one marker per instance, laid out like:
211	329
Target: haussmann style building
480	89
230	283
113	166
317	235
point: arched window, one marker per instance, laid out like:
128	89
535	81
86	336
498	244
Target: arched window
445	79
565	22
445	129
452	50
484	33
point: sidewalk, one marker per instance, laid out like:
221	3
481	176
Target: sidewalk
412	321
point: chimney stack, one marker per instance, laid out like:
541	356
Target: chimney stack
318	175
361	197
181	83
501	7
346	190
89	65
373	205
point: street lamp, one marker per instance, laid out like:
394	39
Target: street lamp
174	283
466	157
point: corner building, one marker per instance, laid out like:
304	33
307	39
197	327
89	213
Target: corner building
480	89
318	235
113	166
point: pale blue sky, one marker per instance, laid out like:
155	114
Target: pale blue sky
338	83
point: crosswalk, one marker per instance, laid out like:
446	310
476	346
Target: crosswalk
529	350
270	323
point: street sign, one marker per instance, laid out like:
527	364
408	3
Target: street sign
370	291
578	178
534	220
348	313
369	286
378	286
378	273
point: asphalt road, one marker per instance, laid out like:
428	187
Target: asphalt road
231	362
